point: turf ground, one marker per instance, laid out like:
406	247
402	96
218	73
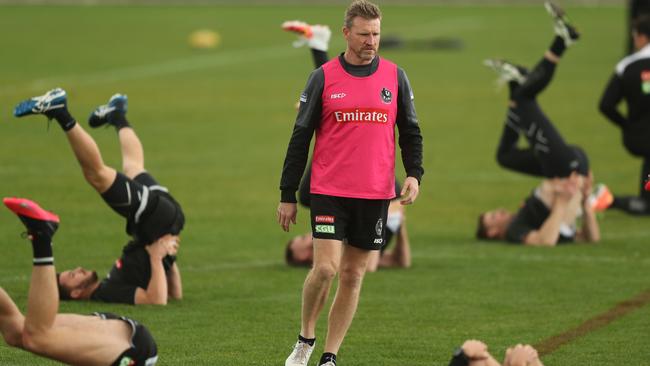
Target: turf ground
215	126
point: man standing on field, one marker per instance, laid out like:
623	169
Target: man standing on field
353	102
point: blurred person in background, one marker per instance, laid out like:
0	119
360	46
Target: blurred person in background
548	216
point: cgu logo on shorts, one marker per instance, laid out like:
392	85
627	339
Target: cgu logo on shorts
361	115
645	81
327	229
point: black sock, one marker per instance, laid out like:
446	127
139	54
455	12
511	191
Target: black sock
309	341
558	46
118	119
63	117
326	357
42	248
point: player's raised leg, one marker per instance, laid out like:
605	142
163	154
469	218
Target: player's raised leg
53	105
114	114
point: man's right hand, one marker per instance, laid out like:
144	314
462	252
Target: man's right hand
161	247
287	213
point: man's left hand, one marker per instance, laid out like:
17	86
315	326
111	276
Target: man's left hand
409	191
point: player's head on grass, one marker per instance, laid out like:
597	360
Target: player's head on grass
492	225
300	251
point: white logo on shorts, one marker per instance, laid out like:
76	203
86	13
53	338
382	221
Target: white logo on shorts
379	226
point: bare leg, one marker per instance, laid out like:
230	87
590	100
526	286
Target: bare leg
353	267
85	149
11	321
69	338
327	256
132	152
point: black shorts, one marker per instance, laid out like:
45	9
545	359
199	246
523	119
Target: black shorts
360	222
143	351
129	197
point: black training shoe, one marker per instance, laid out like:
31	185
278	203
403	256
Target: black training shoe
102	115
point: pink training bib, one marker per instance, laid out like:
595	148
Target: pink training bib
354	154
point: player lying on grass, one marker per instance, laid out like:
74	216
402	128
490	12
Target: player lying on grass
98	339
147	272
300	250
475	353
548	216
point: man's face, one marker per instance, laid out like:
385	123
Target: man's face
77	279
640	40
495	222
303	248
363	39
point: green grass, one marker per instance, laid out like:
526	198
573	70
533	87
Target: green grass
215	126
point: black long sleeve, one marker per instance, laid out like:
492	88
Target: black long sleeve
319	57
410	136
610	100
308	118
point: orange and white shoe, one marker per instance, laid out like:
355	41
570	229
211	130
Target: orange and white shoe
315	36
601	198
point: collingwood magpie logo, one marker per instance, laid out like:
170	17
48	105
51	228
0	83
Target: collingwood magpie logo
386	96
379	226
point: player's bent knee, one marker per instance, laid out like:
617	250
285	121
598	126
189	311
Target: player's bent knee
351	277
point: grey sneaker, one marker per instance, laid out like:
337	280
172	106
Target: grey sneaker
300	355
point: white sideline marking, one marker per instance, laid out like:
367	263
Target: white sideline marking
219	59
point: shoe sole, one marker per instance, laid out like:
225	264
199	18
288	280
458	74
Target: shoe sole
26	208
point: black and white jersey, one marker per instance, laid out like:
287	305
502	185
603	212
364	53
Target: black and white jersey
130	271
631	82
530	217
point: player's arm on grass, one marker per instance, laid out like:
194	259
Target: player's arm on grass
610	100
590	231
400	255
410	138
298	149
156	291
549	233
174	284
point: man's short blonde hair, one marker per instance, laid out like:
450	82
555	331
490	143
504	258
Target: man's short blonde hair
361	8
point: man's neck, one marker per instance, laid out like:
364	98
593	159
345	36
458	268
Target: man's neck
352	59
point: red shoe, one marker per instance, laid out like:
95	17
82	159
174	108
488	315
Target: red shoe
38	221
601	198
647	185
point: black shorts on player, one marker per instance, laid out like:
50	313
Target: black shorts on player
147	206
143	351
359	222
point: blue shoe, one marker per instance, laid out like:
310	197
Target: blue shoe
102	115
50	101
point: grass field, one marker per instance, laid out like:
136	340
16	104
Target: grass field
215	126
